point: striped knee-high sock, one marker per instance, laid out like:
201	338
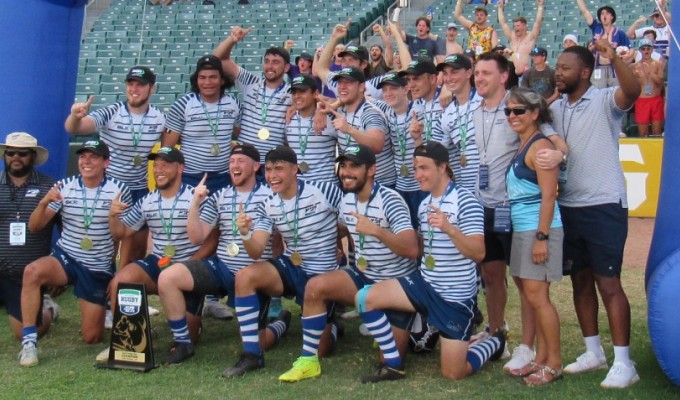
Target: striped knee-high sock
180	330
479	353
376	322
247	313
312	328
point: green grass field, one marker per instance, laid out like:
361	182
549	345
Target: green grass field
66	364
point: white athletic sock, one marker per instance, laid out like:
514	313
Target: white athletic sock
593	344
622	354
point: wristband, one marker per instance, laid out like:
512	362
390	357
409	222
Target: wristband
246	237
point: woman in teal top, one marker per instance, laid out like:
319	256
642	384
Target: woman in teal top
536	255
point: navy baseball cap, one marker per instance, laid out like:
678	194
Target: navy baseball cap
303	82
539	51
392	78
169	154
95	146
419	67
141	74
247	150
359	154
359	52
351	73
455	61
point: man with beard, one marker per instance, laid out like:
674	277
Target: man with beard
305	214
594	205
184	284
21	188
83	256
482	37
130	129
521	41
165	212
381	56
385	247
265	100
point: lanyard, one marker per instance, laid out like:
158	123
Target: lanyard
136	136
348	137
401	133
266	102
463	127
294	227
566	130
88	213
303	138
486	139
374	192
428	121
167	227
234	228
214	124
430	232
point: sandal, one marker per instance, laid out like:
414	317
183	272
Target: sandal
526	370
543	376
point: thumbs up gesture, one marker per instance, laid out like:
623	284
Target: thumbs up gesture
416	127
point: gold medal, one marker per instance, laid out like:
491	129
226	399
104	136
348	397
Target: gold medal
403	171
215	149
137	160
463	160
232	249
86	243
296	258
429	262
362	264
263	133
304	167
169	250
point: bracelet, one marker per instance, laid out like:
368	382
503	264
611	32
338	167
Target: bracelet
246	237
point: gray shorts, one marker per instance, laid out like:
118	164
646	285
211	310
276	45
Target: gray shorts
521	263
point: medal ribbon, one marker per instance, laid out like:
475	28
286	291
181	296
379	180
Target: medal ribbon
374	192
348	137
428	121
303	138
401	133
88	213
294	227
214	124
266	102
234	228
167	227
136	136
430	232
463	127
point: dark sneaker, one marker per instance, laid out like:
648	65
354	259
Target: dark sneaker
247	362
384	373
179	352
501	334
285	316
478	317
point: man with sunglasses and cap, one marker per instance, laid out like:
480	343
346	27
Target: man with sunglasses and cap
452	228
305	214
130	128
84	254
21	188
604	74
660	27
265	100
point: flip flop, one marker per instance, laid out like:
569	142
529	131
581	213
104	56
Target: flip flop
543	376
526	370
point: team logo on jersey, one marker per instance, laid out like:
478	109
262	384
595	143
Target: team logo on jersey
129	301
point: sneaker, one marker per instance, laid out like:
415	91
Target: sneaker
285	316
52	306
363	330
480	337
384	373
521	356
620	376
501	334
103	356
28	356
108	320
478	317
425	341
179	352
303	368
506	352
247	362
217	310
274	308
587	361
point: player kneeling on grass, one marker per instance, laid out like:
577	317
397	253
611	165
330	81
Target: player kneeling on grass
452	227
385	247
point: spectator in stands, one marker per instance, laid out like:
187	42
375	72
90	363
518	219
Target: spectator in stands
570	40
603	27
521	41
659	26
540	77
304	62
422	45
335	65
452	46
482	37
380	56
649	107
513	79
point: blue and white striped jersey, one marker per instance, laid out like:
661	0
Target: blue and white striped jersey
317	223
221	210
431	112
129	135
196	125
319	151
387	209
153	209
80	202
256	99
454	277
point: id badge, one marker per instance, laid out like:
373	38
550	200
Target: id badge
17	233
562	178
501	219
483	177
597	74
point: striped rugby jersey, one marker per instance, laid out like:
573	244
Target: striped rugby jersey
320	150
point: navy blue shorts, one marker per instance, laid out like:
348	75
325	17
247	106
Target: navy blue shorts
594	238
453	319
294	278
398	319
497	245
215	181
413	200
88	285
150	265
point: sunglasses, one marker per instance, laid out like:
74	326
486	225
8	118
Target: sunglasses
516	111
21	153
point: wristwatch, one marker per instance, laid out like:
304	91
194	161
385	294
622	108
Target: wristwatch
542	236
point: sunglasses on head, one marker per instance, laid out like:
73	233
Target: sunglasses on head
516	111
21	153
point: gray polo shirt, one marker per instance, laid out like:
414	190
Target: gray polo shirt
591	128
497	143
